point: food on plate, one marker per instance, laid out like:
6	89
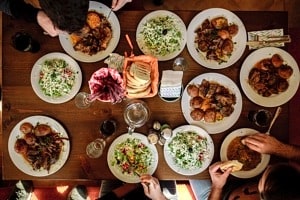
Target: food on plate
269	76
57	77
40	145
106	84
188	149
160	36
210	101
240	152
140	75
234	164
132	157
214	38
94	36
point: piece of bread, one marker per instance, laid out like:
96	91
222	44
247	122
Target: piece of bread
234	164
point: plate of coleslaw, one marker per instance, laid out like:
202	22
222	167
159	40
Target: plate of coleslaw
162	34
130	156
56	78
189	151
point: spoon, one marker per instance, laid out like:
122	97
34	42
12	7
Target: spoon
278	111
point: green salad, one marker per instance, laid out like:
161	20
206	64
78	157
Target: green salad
132	157
161	36
188	150
56	78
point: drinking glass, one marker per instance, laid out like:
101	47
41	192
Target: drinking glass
180	64
95	148
260	117
83	100
107	128
136	114
22	41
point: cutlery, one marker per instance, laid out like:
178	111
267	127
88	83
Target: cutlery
109	13
253	43
278	111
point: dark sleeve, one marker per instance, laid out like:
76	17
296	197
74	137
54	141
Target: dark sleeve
21	10
109	196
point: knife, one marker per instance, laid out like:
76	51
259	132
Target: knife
284	40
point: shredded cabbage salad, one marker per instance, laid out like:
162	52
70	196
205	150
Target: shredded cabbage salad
188	150
161	36
56	78
132	157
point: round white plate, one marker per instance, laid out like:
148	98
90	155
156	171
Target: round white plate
227	122
19	160
178	23
116	171
210	148
67	45
223	154
239	40
273	100
35	77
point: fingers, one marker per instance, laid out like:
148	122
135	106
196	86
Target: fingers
118	4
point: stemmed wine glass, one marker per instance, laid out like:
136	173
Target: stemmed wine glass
84	99
136	114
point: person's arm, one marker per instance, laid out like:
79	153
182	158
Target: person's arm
267	144
21	10
152	187
218	180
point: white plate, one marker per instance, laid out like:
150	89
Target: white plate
223	154
18	159
170	159
116	171
156	14
239	40
35	77
227	122
273	100
67	45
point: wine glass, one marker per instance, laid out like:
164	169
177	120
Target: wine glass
136	114
83	100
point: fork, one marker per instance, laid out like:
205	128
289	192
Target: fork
274	39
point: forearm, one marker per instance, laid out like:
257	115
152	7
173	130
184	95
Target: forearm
288	151
21	10
215	194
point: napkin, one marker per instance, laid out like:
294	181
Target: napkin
263	35
171	83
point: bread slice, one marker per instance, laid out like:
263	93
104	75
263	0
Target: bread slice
140	73
234	164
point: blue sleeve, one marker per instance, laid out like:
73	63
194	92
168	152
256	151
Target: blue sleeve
19	9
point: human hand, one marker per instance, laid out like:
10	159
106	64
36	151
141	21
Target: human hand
118	4
151	187
45	22
262	143
218	178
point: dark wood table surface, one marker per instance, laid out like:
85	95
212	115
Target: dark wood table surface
20	101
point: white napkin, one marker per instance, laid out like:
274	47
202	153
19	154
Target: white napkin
263	35
171	83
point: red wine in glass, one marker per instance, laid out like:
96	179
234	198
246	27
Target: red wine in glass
22	41
108	127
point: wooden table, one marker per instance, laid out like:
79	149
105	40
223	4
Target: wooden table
20	101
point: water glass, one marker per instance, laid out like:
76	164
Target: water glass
180	64
95	148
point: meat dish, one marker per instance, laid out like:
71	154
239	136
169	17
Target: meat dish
94	36
238	151
40	145
210	101
269	76
214	39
